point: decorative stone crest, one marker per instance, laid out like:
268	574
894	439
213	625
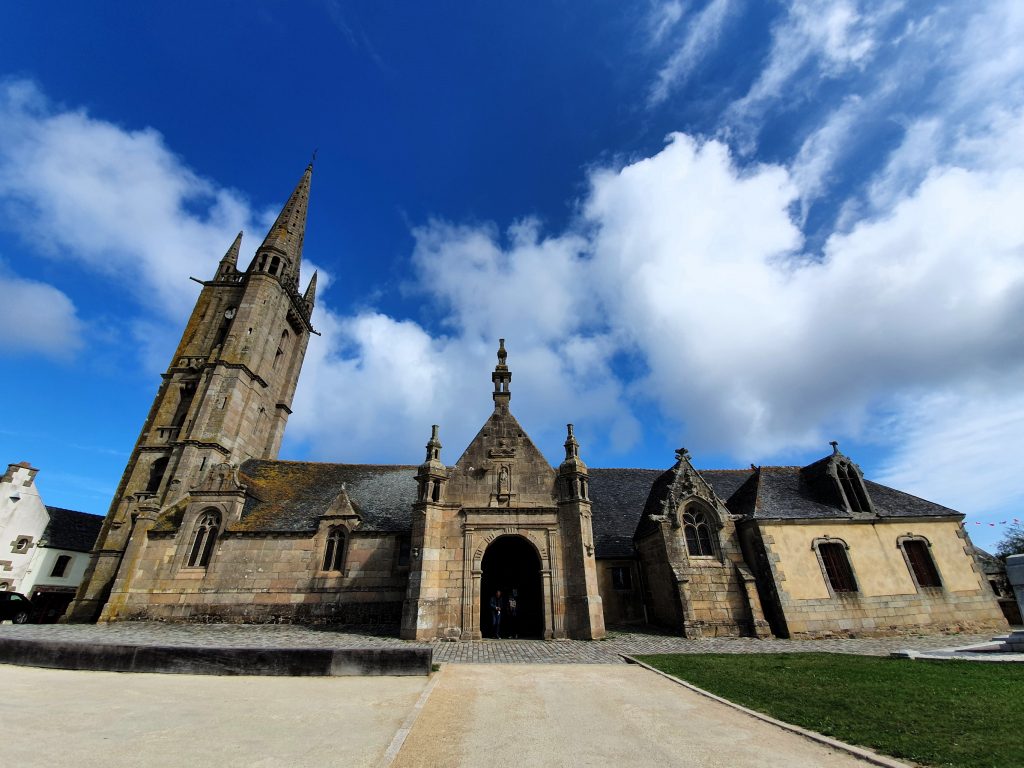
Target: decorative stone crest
220	479
687	483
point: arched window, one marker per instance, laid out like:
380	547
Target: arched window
281	349
275	265
156	474
700	536
917	552
204	539
60	566
835	564
334	554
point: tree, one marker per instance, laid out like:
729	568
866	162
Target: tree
1012	542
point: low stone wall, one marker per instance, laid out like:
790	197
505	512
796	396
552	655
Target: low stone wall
198	660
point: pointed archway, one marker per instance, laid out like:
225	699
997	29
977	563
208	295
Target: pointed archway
511	565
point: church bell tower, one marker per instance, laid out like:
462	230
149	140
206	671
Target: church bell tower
227	393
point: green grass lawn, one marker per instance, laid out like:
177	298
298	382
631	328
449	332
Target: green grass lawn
942	713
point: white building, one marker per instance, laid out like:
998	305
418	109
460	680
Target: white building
44	551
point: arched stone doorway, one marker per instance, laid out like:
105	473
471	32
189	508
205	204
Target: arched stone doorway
511	563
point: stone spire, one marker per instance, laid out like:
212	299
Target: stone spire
501	377
285	237
310	295
229	264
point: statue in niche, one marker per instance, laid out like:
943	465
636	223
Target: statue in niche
503	481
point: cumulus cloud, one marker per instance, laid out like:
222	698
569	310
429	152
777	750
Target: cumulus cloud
37	318
117	201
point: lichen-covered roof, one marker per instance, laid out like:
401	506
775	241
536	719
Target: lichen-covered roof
617	500
68	529
292	495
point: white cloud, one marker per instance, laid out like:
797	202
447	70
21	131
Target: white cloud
663	18
954	446
118	201
815	39
37	318
702	34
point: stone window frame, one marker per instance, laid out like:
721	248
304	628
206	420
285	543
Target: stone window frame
694	510
832	591
62	562
208	524
901	542
332	553
403	543
852	491
24	548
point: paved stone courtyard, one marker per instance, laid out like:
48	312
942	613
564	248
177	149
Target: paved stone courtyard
478	652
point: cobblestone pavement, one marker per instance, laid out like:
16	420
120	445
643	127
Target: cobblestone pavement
477	652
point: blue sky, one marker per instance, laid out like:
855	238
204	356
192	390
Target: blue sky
746	228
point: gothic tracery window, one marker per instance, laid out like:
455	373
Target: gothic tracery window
204	539
700	536
334	553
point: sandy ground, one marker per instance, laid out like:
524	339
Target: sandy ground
84	719
475	715
589	715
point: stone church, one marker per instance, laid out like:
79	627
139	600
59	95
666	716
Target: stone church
208	525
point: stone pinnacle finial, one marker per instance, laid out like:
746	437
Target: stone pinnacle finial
835	447
501	377
682	454
572	446
229	264
434	444
310	295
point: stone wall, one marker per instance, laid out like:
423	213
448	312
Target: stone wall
887	598
621	605
264	578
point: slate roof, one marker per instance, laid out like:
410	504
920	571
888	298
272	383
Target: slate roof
617	497
292	495
72	530
784	493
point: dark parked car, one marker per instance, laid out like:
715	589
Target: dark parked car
15	606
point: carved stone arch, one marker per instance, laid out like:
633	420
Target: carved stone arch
530	536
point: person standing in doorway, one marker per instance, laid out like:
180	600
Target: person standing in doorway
513	614
496	614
